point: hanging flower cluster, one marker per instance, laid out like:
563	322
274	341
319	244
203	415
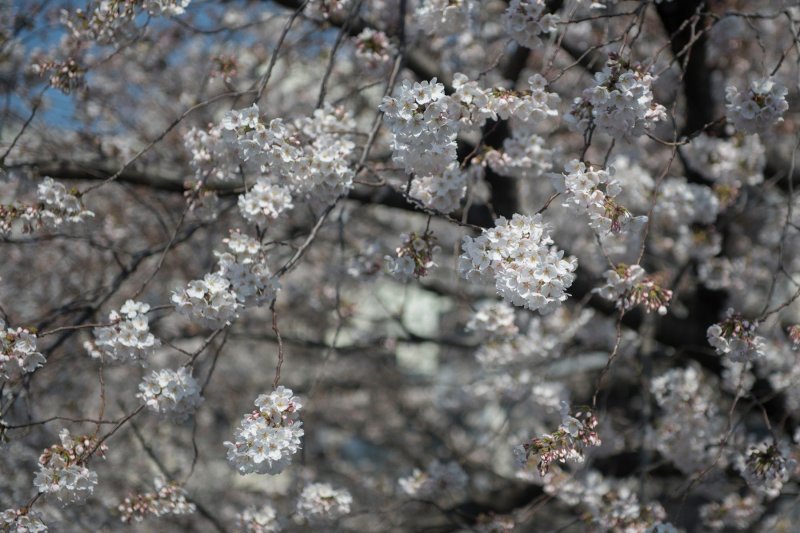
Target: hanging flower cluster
517	254
736	338
567	443
766	468
267	438
527	20
128	338
414	257
629	286
18	353
320	503
759	108
62	468
620	104
169	498
173	394
591	190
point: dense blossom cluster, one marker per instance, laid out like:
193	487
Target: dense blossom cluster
733	162
21	521
690	428
242	279
759	108
267	438
526	20
518	255
414	257
111	21
262	519
425	121
734	512
629	285
174	394
128	338
591	190
309	156
62	468
212	158
56	206
766	468
320	503
374	48
18	353
524	156
620	104
567	443
493	320
442	192
169	498
736	338
438	478
265	202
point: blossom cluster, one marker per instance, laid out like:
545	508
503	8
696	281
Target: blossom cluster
734	512
65	75
169	498
526	20
18	353
265	202
736	338
262	519
443	17
690	427
442	192
567	443
62	469
759	108
766	468
437	478
212	158
310	156
320	503
111	21
174	394
493	320
523	156
128	338
242	278
424	121
267	438
733	162
414	257
374	48
620	104
527	270
629	286
21	521
56	206
591	190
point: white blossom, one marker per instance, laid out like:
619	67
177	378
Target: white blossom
736	338
620	104
518	255
527	20
264	202
267	438
174	394
320	503
128	338
18	353
759	108
21	521
766	468
62	469
169	498
262	519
